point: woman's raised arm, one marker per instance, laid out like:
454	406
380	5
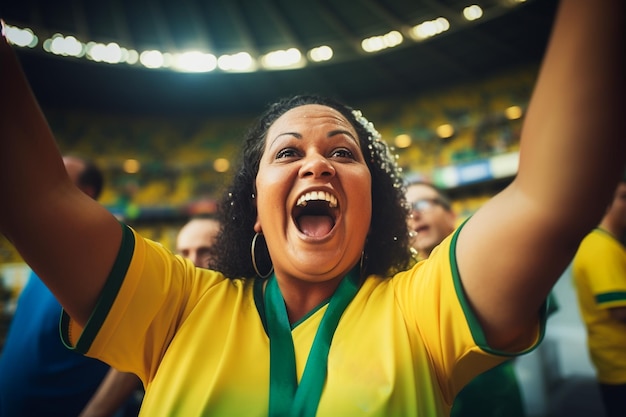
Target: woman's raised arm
573	152
70	240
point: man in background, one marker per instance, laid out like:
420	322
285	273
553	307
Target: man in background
495	392
196	237
39	376
432	218
599	272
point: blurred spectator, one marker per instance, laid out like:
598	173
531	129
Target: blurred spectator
196	237
432	218
39	376
599	271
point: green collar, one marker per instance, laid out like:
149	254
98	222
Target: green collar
287	398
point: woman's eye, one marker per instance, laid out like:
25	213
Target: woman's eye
343	153
286	153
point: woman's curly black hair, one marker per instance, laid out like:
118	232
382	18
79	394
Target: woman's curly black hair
387	247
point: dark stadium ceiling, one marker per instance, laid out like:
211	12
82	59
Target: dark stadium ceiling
505	38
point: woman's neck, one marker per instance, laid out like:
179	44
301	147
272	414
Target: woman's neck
301	297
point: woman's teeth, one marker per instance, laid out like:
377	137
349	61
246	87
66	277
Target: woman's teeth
317	196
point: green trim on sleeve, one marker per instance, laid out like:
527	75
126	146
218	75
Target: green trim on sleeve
610	297
475	328
107	297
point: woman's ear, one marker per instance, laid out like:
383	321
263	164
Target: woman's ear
257	224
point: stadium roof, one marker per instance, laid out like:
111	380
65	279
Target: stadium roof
507	36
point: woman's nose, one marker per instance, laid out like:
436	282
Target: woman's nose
317	166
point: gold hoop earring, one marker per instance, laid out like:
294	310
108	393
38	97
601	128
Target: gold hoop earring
252	250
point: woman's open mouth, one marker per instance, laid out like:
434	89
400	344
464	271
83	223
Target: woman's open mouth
315	213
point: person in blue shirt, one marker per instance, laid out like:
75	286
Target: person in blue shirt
39	376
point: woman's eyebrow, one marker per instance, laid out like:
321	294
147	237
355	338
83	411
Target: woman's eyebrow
294	134
342	132
329	134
